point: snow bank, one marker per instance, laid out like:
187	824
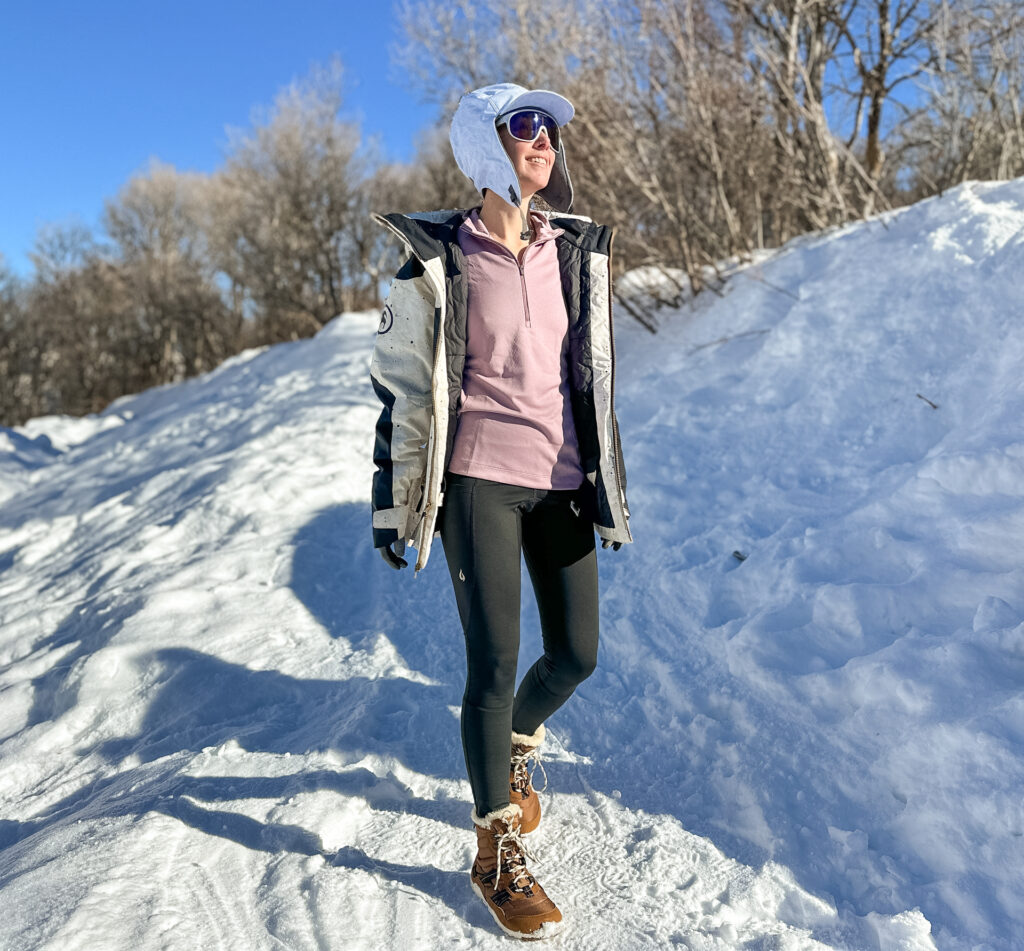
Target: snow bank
225	723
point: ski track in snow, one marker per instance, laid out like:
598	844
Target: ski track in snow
225	724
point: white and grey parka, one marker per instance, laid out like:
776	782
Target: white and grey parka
417	368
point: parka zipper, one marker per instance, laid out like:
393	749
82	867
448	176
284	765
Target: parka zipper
438	330
611	400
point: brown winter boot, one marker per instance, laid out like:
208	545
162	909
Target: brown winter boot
500	877
524	748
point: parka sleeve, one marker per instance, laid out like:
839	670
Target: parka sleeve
400	372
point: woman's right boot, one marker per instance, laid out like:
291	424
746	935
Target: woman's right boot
500	877
526	746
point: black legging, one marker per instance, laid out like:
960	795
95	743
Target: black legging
484	528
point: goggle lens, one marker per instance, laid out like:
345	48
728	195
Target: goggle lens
526	124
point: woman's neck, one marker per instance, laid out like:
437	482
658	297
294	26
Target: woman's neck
504	222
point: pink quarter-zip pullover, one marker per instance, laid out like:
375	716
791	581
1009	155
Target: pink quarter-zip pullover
515	420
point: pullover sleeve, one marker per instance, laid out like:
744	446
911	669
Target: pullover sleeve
400	372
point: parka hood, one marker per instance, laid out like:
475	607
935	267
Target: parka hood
480	154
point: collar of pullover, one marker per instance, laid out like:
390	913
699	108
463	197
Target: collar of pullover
542	228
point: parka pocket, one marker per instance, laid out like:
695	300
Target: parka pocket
586	498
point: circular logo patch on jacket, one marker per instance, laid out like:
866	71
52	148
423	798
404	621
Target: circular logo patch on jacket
386	320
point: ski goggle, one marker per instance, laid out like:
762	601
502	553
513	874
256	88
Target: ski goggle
526	124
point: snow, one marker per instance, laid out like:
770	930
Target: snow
225	723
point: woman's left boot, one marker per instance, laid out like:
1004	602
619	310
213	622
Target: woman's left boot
500	877
524	748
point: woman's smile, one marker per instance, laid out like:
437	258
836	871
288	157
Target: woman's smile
539	163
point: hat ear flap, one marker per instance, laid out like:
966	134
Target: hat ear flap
512	195
558	191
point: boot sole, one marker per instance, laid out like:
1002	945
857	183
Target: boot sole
547	930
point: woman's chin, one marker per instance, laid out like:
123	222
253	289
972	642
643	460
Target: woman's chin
534	181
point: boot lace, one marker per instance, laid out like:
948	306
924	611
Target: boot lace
510	843
521	777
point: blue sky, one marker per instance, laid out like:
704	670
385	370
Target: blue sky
90	91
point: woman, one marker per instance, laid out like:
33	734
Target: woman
494	362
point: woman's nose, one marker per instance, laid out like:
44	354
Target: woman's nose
542	140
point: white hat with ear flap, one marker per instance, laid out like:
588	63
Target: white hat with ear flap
480	154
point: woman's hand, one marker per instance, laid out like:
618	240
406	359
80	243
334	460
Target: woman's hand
391	558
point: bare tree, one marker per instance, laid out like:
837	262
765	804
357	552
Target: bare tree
156	224
888	45
790	45
972	126
432	180
13	385
287	210
271	247
75	318
97	322
666	139
451	47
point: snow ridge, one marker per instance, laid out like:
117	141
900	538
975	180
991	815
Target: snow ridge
224	723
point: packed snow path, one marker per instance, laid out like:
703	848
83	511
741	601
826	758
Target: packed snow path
226	724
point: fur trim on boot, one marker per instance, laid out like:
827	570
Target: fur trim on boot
505	813
530	739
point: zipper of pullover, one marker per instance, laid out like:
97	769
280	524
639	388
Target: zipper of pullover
526	297
522	272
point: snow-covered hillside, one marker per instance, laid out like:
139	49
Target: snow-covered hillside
226	724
